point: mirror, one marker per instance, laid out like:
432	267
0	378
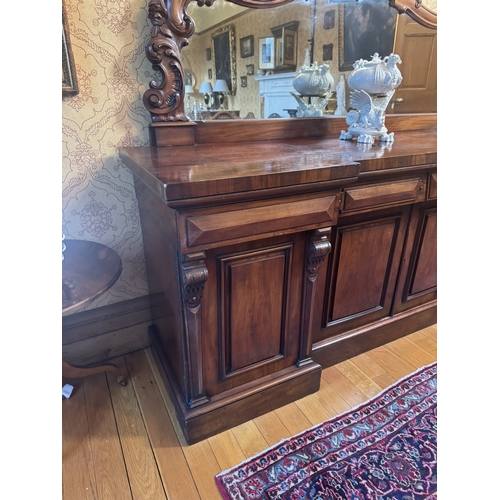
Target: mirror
320	26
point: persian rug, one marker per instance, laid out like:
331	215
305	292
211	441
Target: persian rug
384	449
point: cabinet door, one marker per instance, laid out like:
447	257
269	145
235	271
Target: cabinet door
418	280
364	263
252	306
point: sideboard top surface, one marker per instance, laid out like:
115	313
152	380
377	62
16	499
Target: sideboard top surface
201	170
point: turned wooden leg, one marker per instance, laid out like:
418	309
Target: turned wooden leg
72	371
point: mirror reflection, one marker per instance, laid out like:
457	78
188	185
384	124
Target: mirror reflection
257	53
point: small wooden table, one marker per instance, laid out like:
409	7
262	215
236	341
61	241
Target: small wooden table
88	270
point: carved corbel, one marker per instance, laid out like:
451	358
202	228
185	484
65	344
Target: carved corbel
194	277
319	248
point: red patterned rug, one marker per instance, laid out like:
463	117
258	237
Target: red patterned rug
385	449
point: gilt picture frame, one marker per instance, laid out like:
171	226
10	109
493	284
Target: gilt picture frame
365	28
69	81
224	54
266	53
246	46
286	49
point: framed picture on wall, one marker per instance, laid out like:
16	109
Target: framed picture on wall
286	49
266	53
224	54
246	46
69	82
329	20
189	78
365	28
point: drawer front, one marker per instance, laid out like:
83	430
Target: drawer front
433	186
384	194
208	230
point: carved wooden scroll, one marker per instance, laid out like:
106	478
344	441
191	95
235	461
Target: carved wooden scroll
417	11
171	30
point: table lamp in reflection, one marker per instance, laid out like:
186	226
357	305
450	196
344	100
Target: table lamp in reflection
220	89
206	89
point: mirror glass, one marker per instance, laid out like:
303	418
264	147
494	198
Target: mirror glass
264	48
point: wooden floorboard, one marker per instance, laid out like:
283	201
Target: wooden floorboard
249	438
143	474
124	442
78	466
171	461
293	418
109	464
272	428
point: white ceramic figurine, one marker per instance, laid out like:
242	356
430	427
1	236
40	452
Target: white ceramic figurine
372	85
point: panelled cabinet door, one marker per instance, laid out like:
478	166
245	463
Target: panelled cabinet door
363	269
252	310
418	280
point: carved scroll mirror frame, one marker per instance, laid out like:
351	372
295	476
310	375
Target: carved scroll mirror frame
171	30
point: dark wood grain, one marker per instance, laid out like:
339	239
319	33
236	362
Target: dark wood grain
364	266
432	186
248	222
241	404
213	132
159	232
240	294
216	169
338	348
384	194
425	274
255	329
418	281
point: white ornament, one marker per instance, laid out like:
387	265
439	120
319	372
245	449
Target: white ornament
314	85
372	84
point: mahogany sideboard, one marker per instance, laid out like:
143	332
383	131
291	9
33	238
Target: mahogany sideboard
274	249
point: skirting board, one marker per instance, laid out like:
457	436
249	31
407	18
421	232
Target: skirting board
106	332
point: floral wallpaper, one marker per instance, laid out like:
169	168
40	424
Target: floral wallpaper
98	196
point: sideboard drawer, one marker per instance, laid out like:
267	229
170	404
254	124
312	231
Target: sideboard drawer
384	194
207	230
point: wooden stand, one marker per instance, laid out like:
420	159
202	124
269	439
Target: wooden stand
88	270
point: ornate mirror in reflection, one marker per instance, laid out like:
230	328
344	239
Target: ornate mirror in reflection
191	28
